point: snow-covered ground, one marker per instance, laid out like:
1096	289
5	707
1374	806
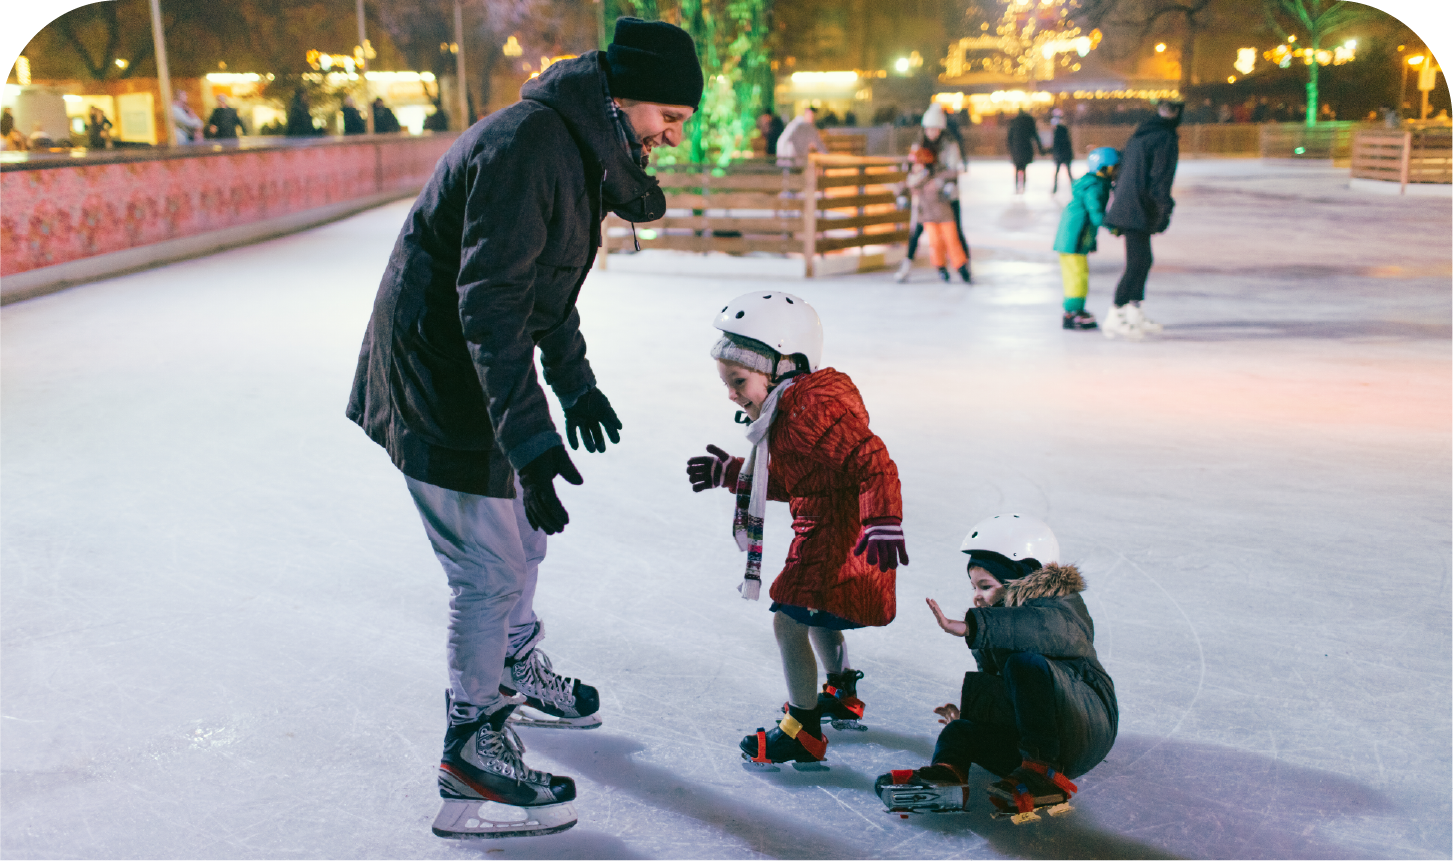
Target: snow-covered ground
223	628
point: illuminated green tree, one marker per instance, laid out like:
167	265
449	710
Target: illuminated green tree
1317	20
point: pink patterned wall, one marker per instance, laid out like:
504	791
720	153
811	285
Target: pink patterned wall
53	215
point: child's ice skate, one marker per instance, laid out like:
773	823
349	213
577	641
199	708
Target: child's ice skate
487	790
839	701
937	788
551	700
1029	787
1079	320
797	739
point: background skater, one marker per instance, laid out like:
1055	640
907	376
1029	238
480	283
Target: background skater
1040	710
487	269
1142	205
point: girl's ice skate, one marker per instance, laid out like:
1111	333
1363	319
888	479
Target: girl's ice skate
1029	787
551	700
790	741
839	701
935	788
487	790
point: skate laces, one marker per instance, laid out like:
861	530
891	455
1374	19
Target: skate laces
504	746
540	680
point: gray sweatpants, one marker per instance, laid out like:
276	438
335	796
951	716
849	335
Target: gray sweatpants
491	556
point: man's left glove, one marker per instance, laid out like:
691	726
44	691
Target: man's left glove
590	415
542	506
882	541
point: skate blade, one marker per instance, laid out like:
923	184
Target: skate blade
527	716
904	799
1032	816
756	767
467	819
854	725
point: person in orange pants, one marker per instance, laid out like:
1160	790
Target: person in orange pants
927	180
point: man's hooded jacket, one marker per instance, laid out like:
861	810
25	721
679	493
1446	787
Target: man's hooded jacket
487	267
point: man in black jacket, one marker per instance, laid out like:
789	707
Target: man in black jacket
1141	206
486	269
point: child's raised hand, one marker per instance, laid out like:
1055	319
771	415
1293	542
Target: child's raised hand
947	712
950	626
707	472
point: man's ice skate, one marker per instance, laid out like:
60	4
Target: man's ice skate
935	788
551	700
789	741
487	790
839	701
1029	787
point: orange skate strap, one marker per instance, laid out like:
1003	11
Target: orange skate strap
761	746
812	744
1055	777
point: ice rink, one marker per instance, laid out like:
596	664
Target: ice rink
223	627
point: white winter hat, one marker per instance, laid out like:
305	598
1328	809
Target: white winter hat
934	118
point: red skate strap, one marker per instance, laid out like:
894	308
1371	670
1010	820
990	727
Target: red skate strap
761	746
853	705
815	746
1022	799
829	690
1054	776
902	776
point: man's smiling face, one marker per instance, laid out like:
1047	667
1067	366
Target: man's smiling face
655	124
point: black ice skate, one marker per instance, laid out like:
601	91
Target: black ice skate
839	701
551	700
935	788
487	790
1079	320
1029	787
797	739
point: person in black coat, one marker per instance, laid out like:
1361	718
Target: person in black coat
384	121
1140	207
1064	151
1023	141
486	271
353	122
300	119
224	121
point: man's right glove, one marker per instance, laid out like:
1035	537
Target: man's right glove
708	472
542	506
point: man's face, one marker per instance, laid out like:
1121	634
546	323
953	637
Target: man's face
221	101
655	124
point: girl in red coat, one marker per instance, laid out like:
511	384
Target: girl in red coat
811	448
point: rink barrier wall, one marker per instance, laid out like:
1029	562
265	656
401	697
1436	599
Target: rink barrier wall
1421	156
67	222
835	205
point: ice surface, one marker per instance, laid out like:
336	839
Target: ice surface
223	627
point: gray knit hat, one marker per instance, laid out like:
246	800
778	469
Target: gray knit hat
751	354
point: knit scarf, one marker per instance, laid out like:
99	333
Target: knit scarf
752	495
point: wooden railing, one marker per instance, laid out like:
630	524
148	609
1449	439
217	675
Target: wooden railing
836	203
1421	155
1322	142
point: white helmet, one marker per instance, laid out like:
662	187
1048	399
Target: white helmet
780	320
934	117
1016	536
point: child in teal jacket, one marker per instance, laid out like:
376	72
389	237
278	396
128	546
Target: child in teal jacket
1076	237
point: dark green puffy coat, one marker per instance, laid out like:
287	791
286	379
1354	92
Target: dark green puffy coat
1044	613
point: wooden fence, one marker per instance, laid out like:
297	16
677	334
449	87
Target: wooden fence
1322	142
836	203
1423	155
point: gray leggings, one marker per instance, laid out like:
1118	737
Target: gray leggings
797	643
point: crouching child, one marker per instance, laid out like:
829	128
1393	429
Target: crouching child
1040	710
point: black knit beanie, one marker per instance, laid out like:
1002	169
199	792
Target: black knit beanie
653	61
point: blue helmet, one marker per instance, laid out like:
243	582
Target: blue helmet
1105	156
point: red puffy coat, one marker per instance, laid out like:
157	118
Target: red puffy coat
835	474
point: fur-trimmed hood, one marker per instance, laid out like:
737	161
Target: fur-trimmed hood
1051	581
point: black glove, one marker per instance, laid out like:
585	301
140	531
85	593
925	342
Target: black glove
589	415
706	472
1114	231
542	506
